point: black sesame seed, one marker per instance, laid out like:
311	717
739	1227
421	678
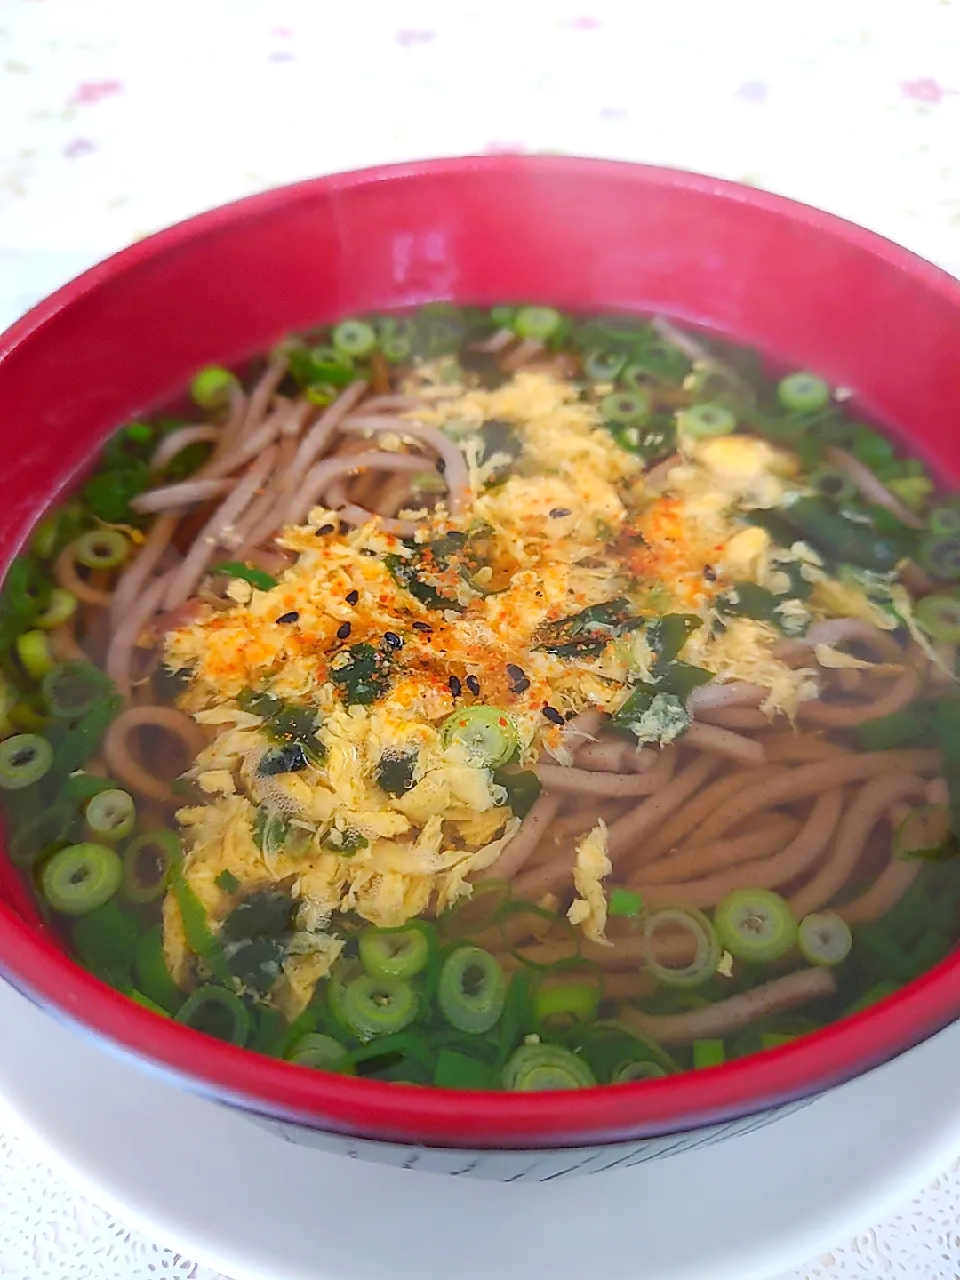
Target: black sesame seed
441	466
554	716
710	573
367	551
343	630
473	684
324	530
292	616
422	626
343	529
353	597
518	679
455	686
557	513
392	639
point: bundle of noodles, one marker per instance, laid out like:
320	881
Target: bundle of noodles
513	649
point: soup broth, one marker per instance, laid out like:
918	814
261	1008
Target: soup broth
493	699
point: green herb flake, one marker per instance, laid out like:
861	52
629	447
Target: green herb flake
624	902
256	577
362	676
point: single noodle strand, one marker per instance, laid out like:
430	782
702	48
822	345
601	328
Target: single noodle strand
725	1017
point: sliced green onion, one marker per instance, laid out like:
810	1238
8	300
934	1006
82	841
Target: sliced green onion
60	609
23	716
876	944
101	549
151	972
81	877
487	734
341	975
378	1006
227	881
562	1004
537	1067
945	518
354	338
472	990
930	950
873	996
503	316
321	393
706	955
111	815
625	407
43	540
839	538
940	617
891	731
824	938
105	941
8	700
71	689
148	863
925	833
624	902
33	650
940	556
647	442
211	387
871	448
911	490
394	953
601	365
756	925
708	1053
832	483
636	376
146	1003
455	1070
396	350
319	1051
630	1072
537	324
701	421
24	759
217	1012
196	928
775	1040
803	391
439	331
139	432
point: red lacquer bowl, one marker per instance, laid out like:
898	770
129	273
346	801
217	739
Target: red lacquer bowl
806	287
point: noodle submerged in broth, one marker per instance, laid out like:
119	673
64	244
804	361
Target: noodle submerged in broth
493	699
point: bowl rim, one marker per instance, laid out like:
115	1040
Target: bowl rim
459	1118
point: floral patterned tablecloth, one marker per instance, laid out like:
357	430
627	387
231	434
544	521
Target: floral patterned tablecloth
117	118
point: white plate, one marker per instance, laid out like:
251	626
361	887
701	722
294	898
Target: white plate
241	1200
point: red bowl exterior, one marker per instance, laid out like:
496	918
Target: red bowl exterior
581	234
